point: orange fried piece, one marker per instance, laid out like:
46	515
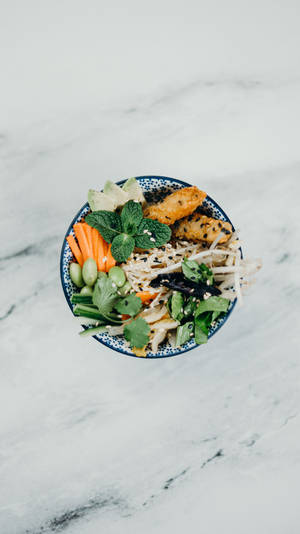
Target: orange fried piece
198	227
176	206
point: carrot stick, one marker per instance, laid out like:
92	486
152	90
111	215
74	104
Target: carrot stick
88	232
111	262
95	243
145	296
75	249
82	241
101	261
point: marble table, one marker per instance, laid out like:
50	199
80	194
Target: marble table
93	441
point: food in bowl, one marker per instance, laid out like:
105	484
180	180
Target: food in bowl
154	273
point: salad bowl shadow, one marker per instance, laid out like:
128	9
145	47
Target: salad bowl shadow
155	188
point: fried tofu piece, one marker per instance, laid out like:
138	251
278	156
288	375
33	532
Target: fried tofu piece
176	206
198	227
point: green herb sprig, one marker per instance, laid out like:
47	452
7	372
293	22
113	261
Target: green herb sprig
128	230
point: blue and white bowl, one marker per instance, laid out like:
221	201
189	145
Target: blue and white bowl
154	188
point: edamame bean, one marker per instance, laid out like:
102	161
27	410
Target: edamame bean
117	275
76	274
124	290
89	272
86	290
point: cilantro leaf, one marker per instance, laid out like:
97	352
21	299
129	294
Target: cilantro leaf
122	246
108	223
137	333
183	333
151	234
130	305
105	295
131	217
217	304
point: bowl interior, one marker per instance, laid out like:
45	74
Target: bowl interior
155	188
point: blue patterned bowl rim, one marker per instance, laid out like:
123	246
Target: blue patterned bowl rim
174	351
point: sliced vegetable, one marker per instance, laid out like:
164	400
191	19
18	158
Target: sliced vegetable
75	249
89	272
100	201
78	298
178	282
102	254
88	311
95	243
146	296
76	274
81	237
134	190
93	331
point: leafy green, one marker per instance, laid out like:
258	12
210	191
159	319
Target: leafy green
131	217
105	295
128	230
122	246
176	304
215	315
189	307
197	273
151	234
183	333
137	333
217	304
191	271
206	273
130	305
200	335
108	223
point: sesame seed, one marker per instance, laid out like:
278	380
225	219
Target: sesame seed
194	299
152	239
113	284
181	310
192	290
191	334
145	231
185	312
208	282
104	259
206	296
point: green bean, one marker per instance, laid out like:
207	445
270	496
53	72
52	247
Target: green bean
89	271
86	290
117	275
76	274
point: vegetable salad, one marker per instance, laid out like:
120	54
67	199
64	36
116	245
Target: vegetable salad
135	277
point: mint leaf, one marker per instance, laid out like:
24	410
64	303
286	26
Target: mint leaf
108	223
137	333
183	333
217	304
151	234
122	246
131	217
105	295
176	304
130	305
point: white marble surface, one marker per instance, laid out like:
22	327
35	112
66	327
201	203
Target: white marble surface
92	441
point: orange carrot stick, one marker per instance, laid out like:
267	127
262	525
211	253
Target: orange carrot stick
111	262
102	254
95	243
145	296
75	249
82	241
88	232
